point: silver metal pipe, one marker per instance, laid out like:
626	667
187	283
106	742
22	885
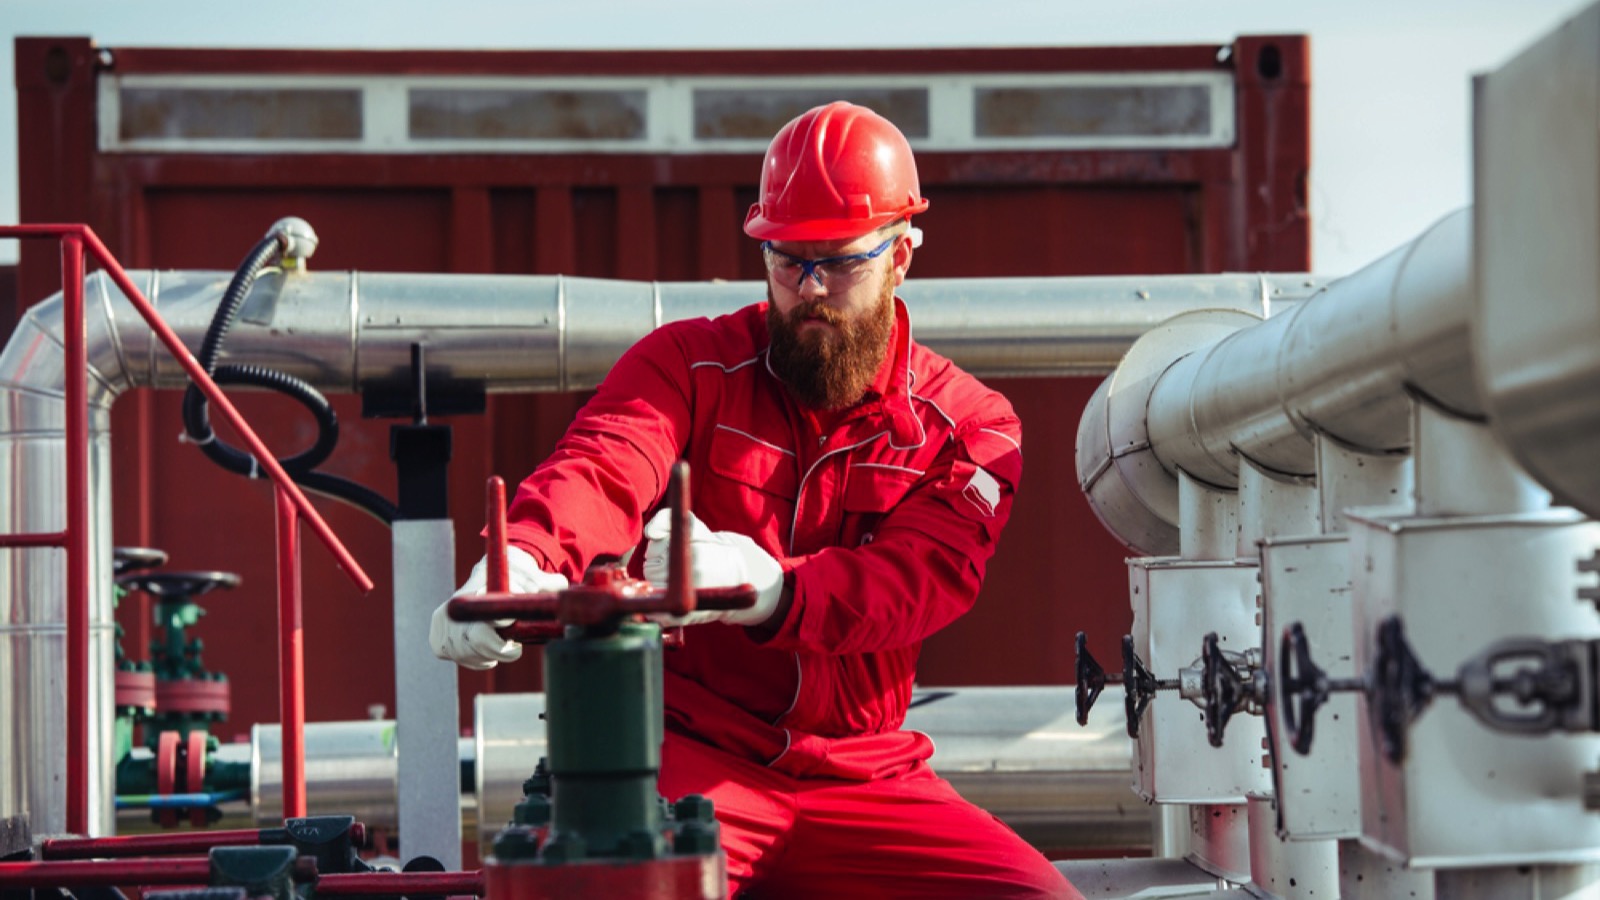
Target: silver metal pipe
1205	390
351	769
342	332
33	715
1344	364
345	331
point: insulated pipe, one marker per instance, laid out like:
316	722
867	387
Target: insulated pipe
1207	389
1345	364
343	332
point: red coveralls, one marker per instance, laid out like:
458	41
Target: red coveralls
883	518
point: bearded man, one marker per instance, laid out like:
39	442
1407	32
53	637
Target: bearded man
857	480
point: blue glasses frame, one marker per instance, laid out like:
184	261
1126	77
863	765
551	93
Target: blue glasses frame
809	267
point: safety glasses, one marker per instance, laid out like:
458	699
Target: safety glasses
829	271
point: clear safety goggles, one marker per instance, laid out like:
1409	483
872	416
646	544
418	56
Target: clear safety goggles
829	271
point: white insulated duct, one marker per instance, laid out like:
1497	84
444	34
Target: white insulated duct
1536	155
1206	391
343	332
1342	365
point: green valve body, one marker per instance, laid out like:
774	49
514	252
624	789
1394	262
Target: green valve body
603	693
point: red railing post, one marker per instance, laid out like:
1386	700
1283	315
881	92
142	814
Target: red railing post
291	658
77	534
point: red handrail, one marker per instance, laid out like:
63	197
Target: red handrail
291	504
174	870
410	884
168	843
291	659
47	539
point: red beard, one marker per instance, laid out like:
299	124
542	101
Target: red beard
829	368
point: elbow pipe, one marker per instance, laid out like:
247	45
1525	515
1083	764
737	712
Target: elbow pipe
1345	365
1205	391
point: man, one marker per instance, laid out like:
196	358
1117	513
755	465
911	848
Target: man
857	480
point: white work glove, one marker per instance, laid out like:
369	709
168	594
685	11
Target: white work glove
476	645
721	559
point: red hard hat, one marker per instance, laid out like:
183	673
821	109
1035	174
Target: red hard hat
834	172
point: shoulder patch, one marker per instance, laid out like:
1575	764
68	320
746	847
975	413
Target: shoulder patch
982	491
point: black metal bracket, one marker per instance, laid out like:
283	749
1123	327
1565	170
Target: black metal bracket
421	453
328	839
265	871
1590	593
421	394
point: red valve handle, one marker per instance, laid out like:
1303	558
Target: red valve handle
605	593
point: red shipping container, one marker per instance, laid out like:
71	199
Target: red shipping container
633	165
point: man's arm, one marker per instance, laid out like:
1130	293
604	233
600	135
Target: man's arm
610	468
925	563
591	490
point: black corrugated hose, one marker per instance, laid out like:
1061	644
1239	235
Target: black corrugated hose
301	466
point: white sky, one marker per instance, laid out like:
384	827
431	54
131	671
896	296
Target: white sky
1391	118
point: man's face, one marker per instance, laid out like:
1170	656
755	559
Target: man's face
829	339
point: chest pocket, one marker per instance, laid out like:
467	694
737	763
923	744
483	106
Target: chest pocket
870	491
751	465
876	488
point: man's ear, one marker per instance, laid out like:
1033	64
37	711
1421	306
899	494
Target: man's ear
902	259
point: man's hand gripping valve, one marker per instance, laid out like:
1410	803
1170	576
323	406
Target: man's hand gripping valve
719	559
508	599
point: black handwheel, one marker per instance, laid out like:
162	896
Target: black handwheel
1303	687
1138	686
178	584
1404	689
1222	688
1091	680
130	559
